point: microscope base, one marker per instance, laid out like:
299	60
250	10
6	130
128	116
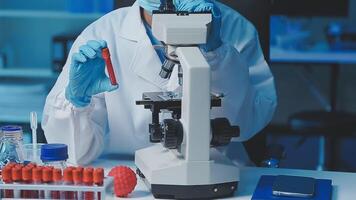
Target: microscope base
193	191
169	175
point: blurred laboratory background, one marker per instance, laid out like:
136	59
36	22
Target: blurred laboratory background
310	45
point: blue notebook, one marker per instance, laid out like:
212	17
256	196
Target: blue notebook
323	190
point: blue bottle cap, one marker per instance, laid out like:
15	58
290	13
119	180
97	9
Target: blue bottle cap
10	128
54	152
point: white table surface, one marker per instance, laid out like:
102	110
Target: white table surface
323	57
344	184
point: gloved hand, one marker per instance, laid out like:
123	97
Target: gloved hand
87	74
214	40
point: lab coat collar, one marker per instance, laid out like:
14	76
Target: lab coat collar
146	62
132	27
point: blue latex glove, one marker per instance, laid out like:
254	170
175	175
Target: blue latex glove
214	40
87	74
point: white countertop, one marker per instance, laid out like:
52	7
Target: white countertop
344	184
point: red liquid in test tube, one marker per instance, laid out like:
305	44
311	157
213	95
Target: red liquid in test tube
57	179
27	179
78	180
68	180
7	178
16	173
99	179
37	179
88	180
109	67
47	177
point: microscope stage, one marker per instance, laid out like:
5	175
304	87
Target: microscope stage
168	100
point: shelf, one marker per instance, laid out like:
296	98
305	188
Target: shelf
48	14
19	115
27	73
16	105
322	57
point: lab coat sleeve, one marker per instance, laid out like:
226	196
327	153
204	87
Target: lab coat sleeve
82	129
248	87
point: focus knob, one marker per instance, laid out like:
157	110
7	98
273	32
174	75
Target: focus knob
223	132
173	133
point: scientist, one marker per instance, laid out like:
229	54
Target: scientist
93	117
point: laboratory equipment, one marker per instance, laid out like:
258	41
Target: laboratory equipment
27	179
109	67
33	123
11	145
125	180
98	178
57	180
184	164
29	155
53	183
322	191
54	155
88	181
78	180
37	180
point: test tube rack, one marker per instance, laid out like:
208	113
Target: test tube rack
108	182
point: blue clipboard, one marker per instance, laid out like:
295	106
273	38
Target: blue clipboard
323	190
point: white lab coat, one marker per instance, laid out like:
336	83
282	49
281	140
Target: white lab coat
112	123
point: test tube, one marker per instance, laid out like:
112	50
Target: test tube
27	178
109	67
88	180
57	179
78	180
68	180
98	179
47	177
11	164
7	178
16	173
37	179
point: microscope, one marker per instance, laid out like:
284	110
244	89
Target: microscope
183	162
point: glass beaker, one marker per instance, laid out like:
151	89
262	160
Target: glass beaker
11	145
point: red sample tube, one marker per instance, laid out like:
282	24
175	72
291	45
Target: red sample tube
106	56
68	180
57	179
88	180
98	179
27	179
31	165
7	178
78	180
37	179
11	164
16	173
47	178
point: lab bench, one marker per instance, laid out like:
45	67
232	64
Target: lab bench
344	184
